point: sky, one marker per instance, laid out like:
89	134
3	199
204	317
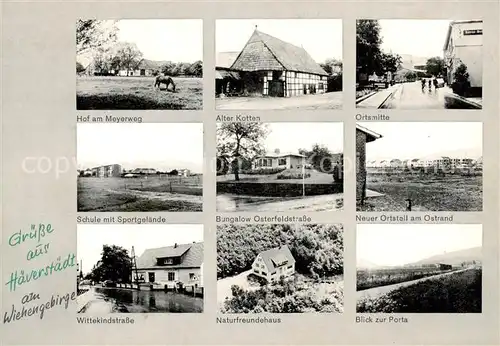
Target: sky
407	140
91	238
399	244
177	40
321	38
290	137
163	146
418	37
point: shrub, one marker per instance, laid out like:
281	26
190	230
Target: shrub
292	175
334	83
263	171
461	84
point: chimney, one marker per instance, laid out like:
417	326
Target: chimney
276	151
175	245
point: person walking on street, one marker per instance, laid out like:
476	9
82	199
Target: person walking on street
435	82
429	84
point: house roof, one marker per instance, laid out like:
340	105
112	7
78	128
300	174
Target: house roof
264	52
221	74
277	155
150	64
193	256
370	135
277	256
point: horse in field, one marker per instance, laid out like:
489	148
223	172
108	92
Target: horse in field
159	80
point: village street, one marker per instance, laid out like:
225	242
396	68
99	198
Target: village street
101	300
412	96
331	100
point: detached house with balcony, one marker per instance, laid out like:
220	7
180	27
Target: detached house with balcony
274	264
172	265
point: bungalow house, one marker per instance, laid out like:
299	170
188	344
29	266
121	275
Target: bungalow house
171	265
279	160
274	263
271	67
363	136
144	67
226	81
143	171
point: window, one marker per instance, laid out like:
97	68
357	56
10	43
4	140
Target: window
171	276
290	267
263	273
192	276
255	270
281	162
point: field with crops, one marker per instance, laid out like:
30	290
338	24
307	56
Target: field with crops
150	193
366	279
457	292
137	93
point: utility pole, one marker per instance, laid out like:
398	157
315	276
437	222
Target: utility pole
134	267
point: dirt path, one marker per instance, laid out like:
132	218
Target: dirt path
332	100
382	290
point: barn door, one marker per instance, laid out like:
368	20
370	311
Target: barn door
276	88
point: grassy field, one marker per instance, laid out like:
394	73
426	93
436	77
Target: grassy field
428	192
366	279
454	293
137	93
140	194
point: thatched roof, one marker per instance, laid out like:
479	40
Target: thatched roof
267	53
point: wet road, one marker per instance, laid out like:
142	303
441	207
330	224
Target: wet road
108	300
412	96
231	202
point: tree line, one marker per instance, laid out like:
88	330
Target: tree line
109	56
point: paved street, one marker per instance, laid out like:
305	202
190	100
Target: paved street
102	300
331	100
411	96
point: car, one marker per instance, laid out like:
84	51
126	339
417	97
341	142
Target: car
440	82
108	283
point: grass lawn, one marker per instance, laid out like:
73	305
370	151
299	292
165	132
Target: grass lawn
137	93
315	178
428	193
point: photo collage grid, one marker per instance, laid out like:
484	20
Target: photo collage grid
283	145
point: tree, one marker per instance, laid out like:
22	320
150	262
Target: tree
237	141
368	41
196	69
168	68
79	67
389	63
320	157
331	66
129	55
115	265
92	34
435	66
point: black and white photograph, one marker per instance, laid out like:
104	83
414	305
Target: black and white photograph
419	268
419	166
139	64
278	64
143	167
274	167
280	268
140	269
436	64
